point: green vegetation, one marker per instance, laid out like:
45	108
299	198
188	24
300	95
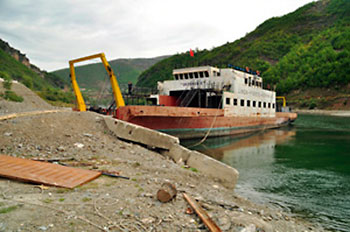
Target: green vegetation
308	48
8	209
47	85
7	84
47	200
86	199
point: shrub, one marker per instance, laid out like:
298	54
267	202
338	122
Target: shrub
312	104
12	96
7	82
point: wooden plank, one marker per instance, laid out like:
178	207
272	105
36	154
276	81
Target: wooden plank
202	214
30	113
44	173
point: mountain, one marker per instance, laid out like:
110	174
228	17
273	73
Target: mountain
93	76
306	49
15	65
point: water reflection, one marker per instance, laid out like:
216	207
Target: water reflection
303	169
251	149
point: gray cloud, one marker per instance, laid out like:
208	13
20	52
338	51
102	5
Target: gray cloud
53	32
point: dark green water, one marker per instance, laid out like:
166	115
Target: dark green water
303	169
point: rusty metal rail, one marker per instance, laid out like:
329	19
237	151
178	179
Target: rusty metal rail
44	173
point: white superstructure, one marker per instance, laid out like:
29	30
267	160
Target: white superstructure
238	92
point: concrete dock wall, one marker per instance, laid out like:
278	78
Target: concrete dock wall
171	147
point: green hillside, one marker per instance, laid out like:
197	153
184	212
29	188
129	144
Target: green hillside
47	86
93	76
308	48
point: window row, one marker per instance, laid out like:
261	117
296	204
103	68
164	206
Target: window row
252	82
250	103
191	75
183	76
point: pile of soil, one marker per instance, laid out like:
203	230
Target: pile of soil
31	100
82	140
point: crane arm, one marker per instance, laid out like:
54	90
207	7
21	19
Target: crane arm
283	99
118	97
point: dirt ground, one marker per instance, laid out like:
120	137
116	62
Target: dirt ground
114	204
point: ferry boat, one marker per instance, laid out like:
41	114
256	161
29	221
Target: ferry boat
208	101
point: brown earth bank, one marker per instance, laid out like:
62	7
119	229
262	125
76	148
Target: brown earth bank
341	113
82	139
337	99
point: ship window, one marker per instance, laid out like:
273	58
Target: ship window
201	74
218	74
176	77
254	103
181	76
228	101
206	74
242	102
186	75
248	103
245	81
235	101
195	75
269	106
253	82
191	75
264	104
259	104
273	105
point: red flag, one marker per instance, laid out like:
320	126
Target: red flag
191	53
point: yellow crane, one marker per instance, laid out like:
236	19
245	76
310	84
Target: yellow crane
283	99
118	97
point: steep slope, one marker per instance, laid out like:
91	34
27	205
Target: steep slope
16	66
26	70
92	76
31	101
305	49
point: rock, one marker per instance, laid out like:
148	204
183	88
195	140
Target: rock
207	206
87	135
148	220
60	148
42	228
2	226
146	195
250	228
8	134
79	145
224	223
98	119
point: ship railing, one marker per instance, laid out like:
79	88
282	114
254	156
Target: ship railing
136	95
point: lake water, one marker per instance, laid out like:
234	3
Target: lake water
303	169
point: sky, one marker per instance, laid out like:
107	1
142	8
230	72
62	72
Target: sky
52	32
